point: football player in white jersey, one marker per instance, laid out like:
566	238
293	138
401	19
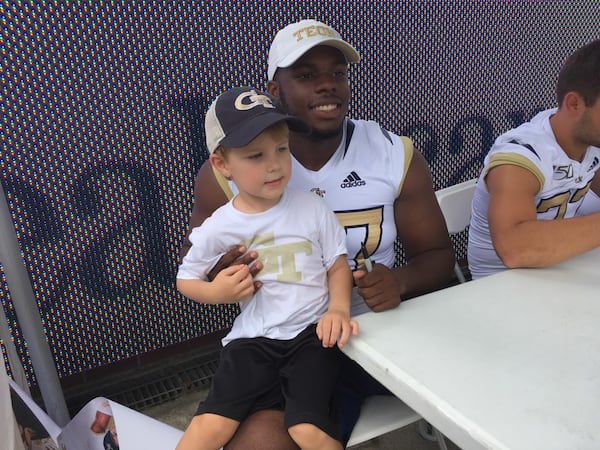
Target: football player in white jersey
536	202
377	184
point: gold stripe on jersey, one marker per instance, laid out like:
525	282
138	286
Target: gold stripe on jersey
223	183
514	159
408	154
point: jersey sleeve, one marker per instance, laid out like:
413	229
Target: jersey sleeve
409	148
516	155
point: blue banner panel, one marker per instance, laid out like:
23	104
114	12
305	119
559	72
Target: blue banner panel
102	117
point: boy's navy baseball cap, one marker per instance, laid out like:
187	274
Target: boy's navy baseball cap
239	115
294	40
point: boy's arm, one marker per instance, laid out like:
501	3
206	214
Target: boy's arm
339	283
231	285
335	326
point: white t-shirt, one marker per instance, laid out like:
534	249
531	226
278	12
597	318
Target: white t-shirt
298	239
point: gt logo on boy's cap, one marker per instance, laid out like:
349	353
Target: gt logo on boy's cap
240	114
255	100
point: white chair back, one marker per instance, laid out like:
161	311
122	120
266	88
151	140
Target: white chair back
455	203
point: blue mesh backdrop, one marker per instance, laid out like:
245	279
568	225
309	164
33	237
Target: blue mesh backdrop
102	114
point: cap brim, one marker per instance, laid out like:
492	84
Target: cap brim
250	129
348	51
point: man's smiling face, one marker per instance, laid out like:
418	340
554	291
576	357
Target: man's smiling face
315	88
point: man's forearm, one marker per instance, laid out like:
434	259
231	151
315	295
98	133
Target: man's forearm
542	243
426	272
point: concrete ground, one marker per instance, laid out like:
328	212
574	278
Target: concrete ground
177	413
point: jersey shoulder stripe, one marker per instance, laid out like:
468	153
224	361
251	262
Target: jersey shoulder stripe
223	183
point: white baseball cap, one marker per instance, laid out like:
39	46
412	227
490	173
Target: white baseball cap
294	40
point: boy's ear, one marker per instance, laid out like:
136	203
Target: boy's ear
219	163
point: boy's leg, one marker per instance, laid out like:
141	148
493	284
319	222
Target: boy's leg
264	428
308	380
246	375
311	437
207	432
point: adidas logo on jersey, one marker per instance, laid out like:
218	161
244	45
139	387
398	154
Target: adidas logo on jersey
594	163
352	180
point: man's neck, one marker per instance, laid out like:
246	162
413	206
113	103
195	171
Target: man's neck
314	152
562	128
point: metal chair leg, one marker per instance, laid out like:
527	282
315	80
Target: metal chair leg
429	432
426	430
440	439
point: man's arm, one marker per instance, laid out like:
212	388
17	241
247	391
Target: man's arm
208	196
422	229
518	237
423	232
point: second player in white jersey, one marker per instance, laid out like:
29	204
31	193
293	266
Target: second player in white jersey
563	183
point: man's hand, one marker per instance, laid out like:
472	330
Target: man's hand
336	326
379	288
238	255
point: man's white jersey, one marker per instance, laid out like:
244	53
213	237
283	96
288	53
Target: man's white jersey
360	183
563	184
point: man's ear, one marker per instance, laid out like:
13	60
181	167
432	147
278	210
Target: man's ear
273	88
573	102
219	163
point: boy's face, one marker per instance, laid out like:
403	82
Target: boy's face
261	170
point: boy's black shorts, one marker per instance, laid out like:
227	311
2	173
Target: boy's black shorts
296	375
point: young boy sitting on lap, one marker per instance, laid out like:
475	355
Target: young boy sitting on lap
281	351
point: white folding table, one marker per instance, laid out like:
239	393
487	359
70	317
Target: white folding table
510	361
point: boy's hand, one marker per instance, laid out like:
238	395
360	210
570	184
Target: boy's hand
238	255
336	326
235	282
